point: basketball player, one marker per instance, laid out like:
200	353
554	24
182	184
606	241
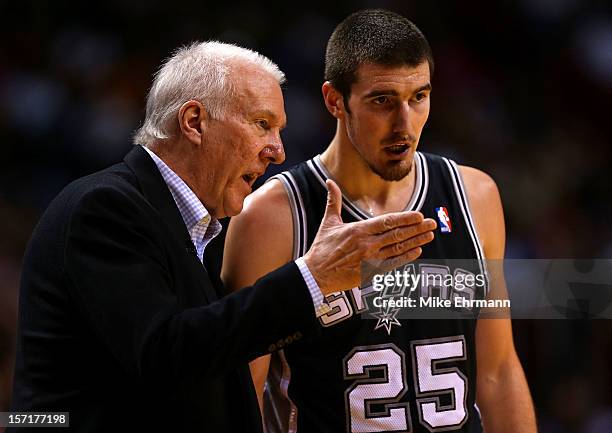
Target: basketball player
386	375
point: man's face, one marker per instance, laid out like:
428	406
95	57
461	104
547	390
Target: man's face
238	148
388	110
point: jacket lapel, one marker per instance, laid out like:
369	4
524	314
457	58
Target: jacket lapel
156	192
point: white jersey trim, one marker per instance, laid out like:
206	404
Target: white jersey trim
467	215
298	213
300	239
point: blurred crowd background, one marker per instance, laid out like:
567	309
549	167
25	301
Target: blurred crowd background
522	89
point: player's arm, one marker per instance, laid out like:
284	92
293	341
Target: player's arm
503	395
259	240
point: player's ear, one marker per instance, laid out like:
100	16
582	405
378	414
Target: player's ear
334	101
192	120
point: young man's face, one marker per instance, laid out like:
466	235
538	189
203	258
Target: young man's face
388	110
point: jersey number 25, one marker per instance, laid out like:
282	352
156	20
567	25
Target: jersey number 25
379	375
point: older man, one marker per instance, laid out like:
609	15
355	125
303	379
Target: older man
119	323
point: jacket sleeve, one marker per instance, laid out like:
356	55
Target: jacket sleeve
117	271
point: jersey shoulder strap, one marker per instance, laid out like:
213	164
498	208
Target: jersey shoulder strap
306	198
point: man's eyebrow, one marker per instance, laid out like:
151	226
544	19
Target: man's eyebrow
381	92
423	88
390	92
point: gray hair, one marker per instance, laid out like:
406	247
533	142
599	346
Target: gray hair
200	71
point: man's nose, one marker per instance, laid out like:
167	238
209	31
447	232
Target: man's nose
402	118
274	151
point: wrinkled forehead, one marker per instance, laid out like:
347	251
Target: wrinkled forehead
370	75
254	87
255	83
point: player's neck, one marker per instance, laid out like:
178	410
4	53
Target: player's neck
360	184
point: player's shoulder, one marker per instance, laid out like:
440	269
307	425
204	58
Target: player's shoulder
480	186
485	203
267	203
265	219
260	238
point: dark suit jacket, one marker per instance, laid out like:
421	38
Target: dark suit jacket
119	323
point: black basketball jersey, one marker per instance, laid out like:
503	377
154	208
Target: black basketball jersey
380	375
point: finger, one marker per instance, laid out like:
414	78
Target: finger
400	248
390	221
400	234
333	209
397	261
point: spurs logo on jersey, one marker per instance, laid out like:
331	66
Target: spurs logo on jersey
419	282
386	374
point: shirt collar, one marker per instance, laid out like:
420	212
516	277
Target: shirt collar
196	217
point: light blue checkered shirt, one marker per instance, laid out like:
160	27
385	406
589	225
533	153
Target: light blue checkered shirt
203	228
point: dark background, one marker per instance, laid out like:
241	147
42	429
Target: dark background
522	90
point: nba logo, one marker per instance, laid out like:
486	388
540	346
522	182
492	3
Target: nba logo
445	222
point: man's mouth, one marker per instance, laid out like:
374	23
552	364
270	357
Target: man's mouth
250	178
398	149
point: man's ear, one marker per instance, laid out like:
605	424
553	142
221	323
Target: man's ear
334	101
192	119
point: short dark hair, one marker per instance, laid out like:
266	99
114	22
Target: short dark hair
375	36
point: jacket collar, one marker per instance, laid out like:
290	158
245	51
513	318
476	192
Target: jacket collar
156	192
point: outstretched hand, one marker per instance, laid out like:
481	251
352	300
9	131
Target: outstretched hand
339	248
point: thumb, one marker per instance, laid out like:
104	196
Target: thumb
334	203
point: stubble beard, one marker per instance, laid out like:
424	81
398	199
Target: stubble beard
392	171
